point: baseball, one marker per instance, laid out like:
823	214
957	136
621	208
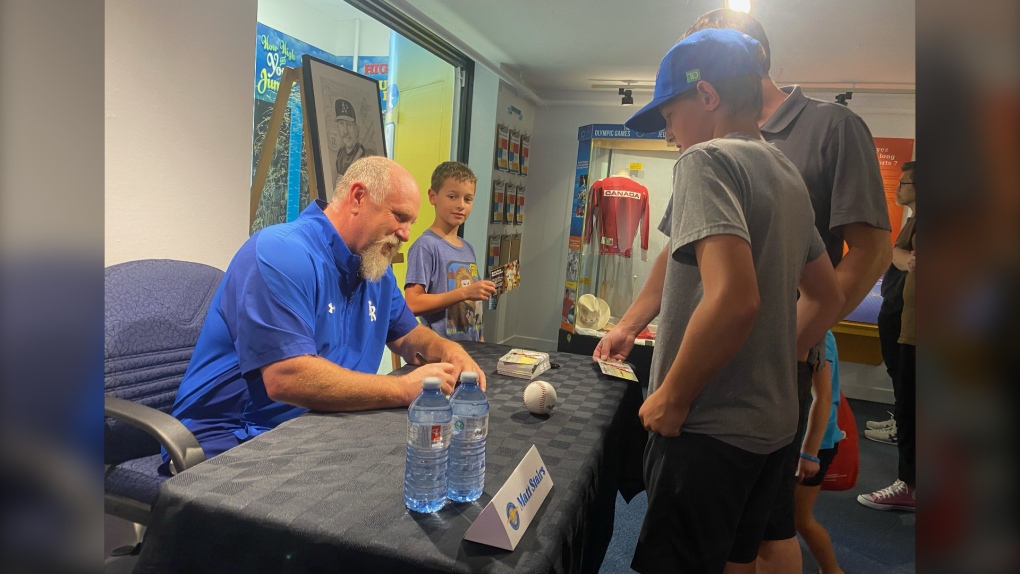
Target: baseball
539	397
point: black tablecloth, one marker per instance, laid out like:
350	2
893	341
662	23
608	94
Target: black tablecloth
324	492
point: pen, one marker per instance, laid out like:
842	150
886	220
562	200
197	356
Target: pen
421	358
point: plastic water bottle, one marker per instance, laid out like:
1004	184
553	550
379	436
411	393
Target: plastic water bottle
467	448
428	448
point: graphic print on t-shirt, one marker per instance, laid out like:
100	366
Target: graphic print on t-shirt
466	316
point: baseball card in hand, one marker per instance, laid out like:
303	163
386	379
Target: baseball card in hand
618	369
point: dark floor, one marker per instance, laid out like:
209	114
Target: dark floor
865	540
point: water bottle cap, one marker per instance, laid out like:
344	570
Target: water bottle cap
469	377
432	383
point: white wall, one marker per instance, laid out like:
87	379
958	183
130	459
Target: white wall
501	325
481	151
178	128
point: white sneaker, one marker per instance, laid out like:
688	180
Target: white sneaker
875	425
886	435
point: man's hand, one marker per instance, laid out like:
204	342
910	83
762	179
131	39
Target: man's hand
615	345
806	469
445	371
479	290
660	414
912	262
462	361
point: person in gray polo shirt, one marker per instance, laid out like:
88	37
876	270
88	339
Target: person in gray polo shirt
835	154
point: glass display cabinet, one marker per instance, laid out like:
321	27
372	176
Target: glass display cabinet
622	184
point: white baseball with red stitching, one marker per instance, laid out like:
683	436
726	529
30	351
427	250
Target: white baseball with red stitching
539	397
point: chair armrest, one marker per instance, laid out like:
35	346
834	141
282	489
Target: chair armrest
183	447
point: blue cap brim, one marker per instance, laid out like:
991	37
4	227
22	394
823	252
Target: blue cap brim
648	120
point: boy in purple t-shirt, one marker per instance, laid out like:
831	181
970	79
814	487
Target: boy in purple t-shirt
442	285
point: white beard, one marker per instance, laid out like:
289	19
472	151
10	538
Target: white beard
374	262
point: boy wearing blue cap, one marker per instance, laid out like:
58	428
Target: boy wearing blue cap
722	402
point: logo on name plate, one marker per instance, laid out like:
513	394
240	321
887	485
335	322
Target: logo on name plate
371	311
513	518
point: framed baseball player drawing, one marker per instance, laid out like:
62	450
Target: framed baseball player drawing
345	119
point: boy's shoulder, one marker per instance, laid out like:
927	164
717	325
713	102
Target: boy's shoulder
733	147
430	241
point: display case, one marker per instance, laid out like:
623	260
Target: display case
622	184
610	262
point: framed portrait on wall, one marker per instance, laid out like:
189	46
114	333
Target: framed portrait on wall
345	118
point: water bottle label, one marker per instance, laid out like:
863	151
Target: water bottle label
471	427
428	436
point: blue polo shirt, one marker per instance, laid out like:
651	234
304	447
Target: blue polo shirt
293	289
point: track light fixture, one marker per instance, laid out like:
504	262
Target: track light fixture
627	99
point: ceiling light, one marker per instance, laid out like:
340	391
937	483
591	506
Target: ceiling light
627	99
739	5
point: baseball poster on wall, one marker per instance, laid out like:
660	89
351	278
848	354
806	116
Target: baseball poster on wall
345	117
502	147
520	205
515	151
493	259
511	203
525	153
504	249
498	190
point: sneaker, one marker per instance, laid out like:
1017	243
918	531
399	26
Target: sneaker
899	496
886	435
875	425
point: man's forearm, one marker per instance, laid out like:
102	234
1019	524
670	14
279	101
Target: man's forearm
318	384
422	340
814	318
867	259
649	300
857	273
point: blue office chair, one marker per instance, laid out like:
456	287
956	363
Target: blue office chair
154	312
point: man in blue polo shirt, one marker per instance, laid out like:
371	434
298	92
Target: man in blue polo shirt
304	310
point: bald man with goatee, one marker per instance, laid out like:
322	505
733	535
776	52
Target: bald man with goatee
303	313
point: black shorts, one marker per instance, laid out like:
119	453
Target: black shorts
781	525
708	504
826	455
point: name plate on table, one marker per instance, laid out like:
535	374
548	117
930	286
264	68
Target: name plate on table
508	515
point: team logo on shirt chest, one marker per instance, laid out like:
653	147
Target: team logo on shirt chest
371	311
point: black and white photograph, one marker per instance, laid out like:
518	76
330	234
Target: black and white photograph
345	116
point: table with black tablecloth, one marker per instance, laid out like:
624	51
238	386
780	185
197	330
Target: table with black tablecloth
324	492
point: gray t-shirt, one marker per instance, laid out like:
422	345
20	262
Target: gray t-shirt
835	154
440	267
740	186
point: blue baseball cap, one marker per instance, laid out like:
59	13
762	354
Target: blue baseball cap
711	55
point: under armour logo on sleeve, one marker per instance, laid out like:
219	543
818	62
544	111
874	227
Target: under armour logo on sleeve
331	308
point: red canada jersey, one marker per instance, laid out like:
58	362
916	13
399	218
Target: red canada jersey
617	205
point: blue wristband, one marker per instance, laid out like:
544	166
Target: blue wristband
812	458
